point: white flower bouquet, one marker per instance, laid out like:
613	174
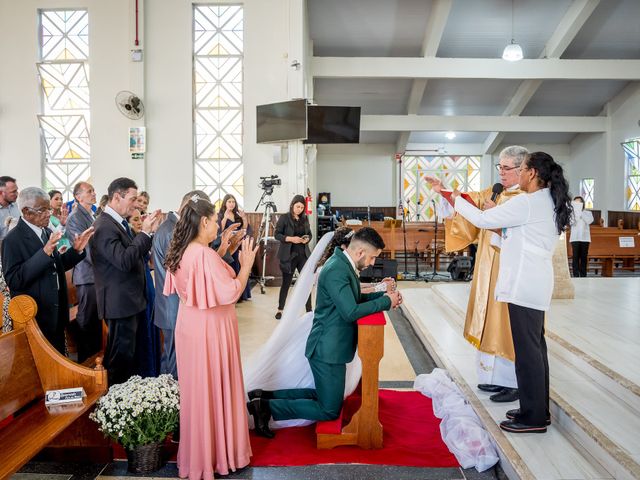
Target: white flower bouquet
140	411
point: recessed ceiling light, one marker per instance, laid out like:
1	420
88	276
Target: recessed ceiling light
450	135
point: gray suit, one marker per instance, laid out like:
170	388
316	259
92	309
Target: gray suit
89	333
165	307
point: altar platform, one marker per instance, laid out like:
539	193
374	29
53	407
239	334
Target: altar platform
595	380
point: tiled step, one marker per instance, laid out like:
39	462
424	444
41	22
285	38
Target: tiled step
597	406
554	455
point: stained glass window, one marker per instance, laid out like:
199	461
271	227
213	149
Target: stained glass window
460	172
63	73
217	74
587	189
632	159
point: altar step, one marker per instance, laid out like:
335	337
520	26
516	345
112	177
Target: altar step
592	343
594	419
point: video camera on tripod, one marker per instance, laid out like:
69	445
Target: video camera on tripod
267	183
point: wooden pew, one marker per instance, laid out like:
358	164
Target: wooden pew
364	429
29	366
606	248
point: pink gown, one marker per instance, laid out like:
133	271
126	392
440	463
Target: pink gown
214	432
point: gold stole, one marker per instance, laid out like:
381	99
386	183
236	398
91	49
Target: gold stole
487	323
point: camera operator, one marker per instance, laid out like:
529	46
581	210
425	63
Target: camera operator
294	233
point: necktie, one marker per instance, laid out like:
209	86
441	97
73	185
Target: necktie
127	228
44	236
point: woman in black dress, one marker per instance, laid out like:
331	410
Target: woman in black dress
294	234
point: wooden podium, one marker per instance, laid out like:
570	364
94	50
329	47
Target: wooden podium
364	429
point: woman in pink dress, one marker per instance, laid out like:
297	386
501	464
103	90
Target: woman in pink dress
214	433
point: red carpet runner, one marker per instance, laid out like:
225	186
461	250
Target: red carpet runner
411	438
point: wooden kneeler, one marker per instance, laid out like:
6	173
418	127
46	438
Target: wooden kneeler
364	429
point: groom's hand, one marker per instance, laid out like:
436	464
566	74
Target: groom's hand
395	297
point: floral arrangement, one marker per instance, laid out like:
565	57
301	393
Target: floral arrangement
140	411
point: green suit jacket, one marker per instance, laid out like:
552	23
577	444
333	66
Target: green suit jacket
339	304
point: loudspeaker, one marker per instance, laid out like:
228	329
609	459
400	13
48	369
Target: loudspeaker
382	268
459	267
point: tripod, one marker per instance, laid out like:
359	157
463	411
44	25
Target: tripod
416	255
263	235
434	275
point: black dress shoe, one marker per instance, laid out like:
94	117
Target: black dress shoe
506	395
487	387
259	393
278	315
515	427
515	413
261	412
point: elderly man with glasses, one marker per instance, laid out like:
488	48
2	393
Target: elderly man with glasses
487	321
32	264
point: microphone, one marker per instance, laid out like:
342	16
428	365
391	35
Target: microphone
497	190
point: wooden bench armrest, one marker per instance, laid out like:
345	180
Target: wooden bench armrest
32	430
55	370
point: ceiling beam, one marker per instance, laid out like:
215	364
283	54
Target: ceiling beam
577	14
573	20
436	24
481	123
491	68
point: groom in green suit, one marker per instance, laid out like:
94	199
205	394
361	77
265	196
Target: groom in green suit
333	338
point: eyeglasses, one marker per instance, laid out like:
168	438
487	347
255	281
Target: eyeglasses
41	211
502	168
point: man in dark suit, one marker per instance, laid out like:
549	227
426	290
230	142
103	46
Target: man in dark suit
333	339
87	320
118	266
32	265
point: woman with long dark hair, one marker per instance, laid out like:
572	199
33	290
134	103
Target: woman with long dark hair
531	224
58	219
294	234
214	432
229	214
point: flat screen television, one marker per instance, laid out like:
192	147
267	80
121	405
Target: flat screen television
281	122
327	124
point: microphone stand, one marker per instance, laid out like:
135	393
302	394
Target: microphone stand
405	274
434	275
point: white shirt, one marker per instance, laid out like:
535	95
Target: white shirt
529	238
115	215
580	221
353	264
37	230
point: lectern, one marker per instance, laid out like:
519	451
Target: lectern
364	429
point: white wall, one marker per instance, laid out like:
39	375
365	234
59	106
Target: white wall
19	90
588	160
600	156
358	174
624	125
164	81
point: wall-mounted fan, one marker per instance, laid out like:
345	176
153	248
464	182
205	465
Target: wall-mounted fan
130	105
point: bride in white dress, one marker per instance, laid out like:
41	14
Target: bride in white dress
281	363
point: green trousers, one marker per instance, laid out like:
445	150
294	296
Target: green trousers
322	403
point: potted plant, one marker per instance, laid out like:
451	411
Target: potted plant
139	414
